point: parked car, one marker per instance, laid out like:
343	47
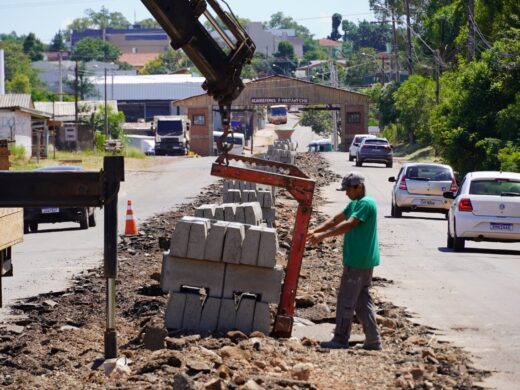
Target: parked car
486	208
421	187
33	216
376	150
354	146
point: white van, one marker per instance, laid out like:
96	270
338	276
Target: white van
354	146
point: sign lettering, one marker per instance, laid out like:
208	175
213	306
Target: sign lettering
278	100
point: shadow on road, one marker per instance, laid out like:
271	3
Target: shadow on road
502	252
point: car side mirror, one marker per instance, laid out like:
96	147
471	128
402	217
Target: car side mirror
391	179
448	195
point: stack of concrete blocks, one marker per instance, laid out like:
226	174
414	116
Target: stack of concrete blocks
241	192
281	151
220	276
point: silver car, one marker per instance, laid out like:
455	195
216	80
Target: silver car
354	146
420	187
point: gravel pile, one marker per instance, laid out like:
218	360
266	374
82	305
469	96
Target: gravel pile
59	341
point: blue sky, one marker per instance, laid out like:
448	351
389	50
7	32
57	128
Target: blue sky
46	17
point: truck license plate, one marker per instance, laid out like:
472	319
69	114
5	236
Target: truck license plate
50	210
501	226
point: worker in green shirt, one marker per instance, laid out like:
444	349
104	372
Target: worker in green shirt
358	223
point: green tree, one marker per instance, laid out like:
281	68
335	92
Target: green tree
19	84
414	101
285	60
167	62
319	120
115	122
57	43
360	64
94	49
33	47
85	87
101	19
149	23
280	21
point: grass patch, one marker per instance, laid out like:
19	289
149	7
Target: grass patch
415	153
90	160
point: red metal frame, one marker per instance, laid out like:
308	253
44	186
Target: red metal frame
302	189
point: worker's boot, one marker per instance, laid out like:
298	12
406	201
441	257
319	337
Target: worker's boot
335	343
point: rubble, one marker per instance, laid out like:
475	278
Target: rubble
59	344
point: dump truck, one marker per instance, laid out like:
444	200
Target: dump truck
171	135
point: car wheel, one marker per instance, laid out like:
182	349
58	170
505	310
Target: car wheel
83	224
458	243
389	164
359	163
350	158
396	211
92	220
33	227
449	239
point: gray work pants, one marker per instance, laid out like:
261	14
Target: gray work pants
353	296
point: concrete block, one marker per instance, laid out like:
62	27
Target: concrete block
269	216
240	216
232	252
219	213
252	213
197	240
180	239
249	196
245	315
262	318
232	196
175	310
215	242
268	248
266	197
264	282
229	211
178	272
209	315
192	312
205	211
250	246
227	315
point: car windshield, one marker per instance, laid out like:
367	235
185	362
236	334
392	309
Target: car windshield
429	172
496	187
169	127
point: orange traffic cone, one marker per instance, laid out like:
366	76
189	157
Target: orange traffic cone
131	223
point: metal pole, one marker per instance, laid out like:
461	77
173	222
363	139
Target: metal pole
114	173
76	92
409	38
60	81
382	70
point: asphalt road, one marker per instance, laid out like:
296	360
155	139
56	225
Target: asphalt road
47	260
472	297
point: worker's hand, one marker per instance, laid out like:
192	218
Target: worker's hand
315	238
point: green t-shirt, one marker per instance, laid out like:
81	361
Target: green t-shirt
360	245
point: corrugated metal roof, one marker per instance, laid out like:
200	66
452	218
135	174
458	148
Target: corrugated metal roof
12	100
149	87
67	109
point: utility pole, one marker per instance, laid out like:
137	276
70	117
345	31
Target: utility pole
471	32
396	49
382	70
409	38
334	81
76	93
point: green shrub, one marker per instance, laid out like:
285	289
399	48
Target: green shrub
17	153
99	140
510	158
390	133
132	152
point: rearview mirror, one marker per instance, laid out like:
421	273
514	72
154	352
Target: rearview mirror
448	195
391	179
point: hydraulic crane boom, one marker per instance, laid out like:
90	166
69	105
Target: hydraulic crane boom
221	66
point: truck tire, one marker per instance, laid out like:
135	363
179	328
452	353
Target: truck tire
83	224
92	220
33	227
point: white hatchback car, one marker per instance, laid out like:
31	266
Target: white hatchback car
421	187
354	146
486	208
